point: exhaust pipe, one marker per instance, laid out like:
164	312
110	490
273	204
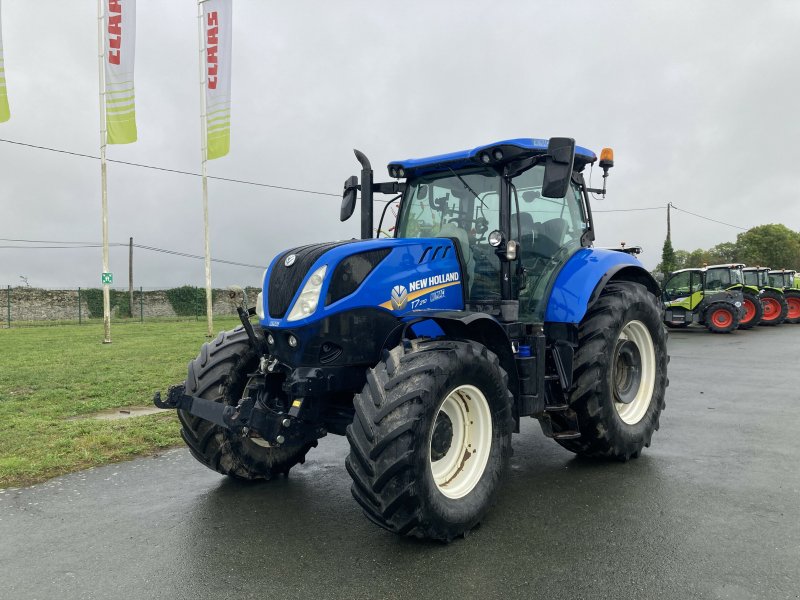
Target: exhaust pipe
366	195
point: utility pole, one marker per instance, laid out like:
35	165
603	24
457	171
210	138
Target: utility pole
130	274
103	184
669	226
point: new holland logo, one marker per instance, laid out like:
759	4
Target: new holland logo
399	297
289	260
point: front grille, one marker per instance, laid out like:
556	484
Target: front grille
351	272
284	281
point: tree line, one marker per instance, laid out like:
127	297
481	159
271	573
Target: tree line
772	245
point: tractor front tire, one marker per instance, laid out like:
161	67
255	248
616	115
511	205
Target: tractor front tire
431	438
753	312
775	308
721	317
620	374
793	305
219	373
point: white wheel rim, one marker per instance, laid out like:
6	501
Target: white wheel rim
459	470
633	411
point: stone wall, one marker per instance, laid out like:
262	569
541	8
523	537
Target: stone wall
27	304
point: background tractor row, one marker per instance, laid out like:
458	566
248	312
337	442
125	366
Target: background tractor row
426	350
730	296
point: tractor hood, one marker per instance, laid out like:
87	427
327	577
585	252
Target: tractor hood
306	284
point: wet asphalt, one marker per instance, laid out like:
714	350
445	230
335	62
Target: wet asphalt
711	510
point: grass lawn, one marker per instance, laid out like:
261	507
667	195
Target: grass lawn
49	374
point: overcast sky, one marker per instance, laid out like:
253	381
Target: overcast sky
698	99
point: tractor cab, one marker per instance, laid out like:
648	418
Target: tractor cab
515	221
710	296
781	278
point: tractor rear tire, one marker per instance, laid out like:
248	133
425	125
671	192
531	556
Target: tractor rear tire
793	304
775	308
431	438
753	312
219	373
721	317
620	374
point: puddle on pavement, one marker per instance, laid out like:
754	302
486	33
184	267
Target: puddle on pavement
121	413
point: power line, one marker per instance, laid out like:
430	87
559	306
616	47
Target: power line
166	170
72	245
708	218
629	209
179	172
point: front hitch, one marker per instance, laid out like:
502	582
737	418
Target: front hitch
247	417
229	417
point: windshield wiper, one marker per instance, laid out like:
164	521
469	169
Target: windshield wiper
466	185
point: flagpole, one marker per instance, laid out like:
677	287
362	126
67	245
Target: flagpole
204	157
103	180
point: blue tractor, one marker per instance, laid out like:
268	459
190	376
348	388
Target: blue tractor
427	349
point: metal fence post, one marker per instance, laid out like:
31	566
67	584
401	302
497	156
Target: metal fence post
8	305
141	305
80	316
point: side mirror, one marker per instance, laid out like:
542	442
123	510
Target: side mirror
349	198
558	168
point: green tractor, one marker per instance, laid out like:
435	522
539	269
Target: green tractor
773	300
730	277
691	296
788	282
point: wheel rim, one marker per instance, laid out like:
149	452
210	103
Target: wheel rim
749	311
772	308
794	307
460	441
722	318
634	372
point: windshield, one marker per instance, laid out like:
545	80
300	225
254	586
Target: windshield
776	280
722	278
464	205
751	278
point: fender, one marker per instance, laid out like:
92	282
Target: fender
583	277
480	327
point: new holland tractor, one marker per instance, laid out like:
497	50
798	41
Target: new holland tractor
786	280
699	296
427	349
772	298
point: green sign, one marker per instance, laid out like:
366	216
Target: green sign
107	278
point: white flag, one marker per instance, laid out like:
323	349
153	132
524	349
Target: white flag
120	47
5	114
217	28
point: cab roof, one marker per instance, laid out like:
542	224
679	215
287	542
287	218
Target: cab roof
511	149
697	269
725	266
756	269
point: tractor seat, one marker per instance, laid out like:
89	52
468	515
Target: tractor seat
525	235
548	241
451	230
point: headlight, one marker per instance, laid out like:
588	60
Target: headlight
260	306
309	298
